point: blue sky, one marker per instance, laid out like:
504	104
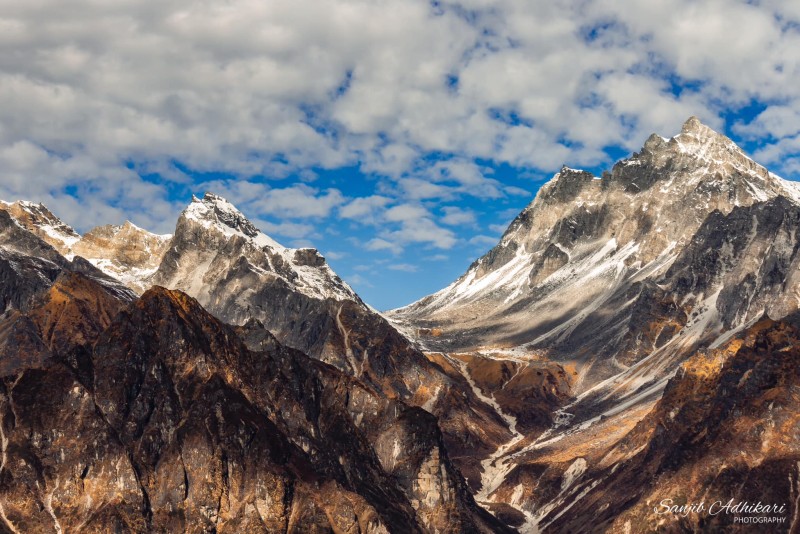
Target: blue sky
397	136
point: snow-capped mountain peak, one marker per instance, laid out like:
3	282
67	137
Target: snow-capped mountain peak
214	210
36	218
214	239
586	247
700	155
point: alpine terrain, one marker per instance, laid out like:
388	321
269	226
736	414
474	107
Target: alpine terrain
633	338
600	297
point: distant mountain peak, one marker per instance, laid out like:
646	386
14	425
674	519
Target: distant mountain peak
694	132
214	208
581	232
213	236
694	125
216	211
36	218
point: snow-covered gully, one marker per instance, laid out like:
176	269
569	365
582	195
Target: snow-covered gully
497	466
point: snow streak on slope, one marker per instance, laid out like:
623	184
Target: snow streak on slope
39	220
495	468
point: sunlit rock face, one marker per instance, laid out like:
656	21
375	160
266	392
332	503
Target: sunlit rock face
155	416
726	429
125	252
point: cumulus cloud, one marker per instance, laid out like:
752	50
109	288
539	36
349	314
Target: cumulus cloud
483	240
364	209
422	230
405	212
334	255
455	216
285	229
378	243
299	201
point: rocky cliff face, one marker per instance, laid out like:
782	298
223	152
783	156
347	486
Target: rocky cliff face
154	416
126	252
726	429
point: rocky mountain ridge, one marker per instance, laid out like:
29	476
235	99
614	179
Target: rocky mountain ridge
145	414
618	279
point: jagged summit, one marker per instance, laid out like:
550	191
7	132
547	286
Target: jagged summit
584	244
214	241
215	209
36	218
698	156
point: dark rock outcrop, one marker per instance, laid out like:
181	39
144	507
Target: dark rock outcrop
173	423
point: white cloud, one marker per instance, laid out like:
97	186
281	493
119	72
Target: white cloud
455	216
268	89
405	267
405	213
378	243
516	191
299	201
356	280
287	229
364	209
776	121
483	240
422	231
419	189
437	257
334	255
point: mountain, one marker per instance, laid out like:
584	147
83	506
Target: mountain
586	242
29	265
140	414
594	272
246	278
126	252
604	286
241	275
725	431
41	222
171	422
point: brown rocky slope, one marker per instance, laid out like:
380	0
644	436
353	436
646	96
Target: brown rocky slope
155	417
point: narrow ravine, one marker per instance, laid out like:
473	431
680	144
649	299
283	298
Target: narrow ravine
357	371
495	468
